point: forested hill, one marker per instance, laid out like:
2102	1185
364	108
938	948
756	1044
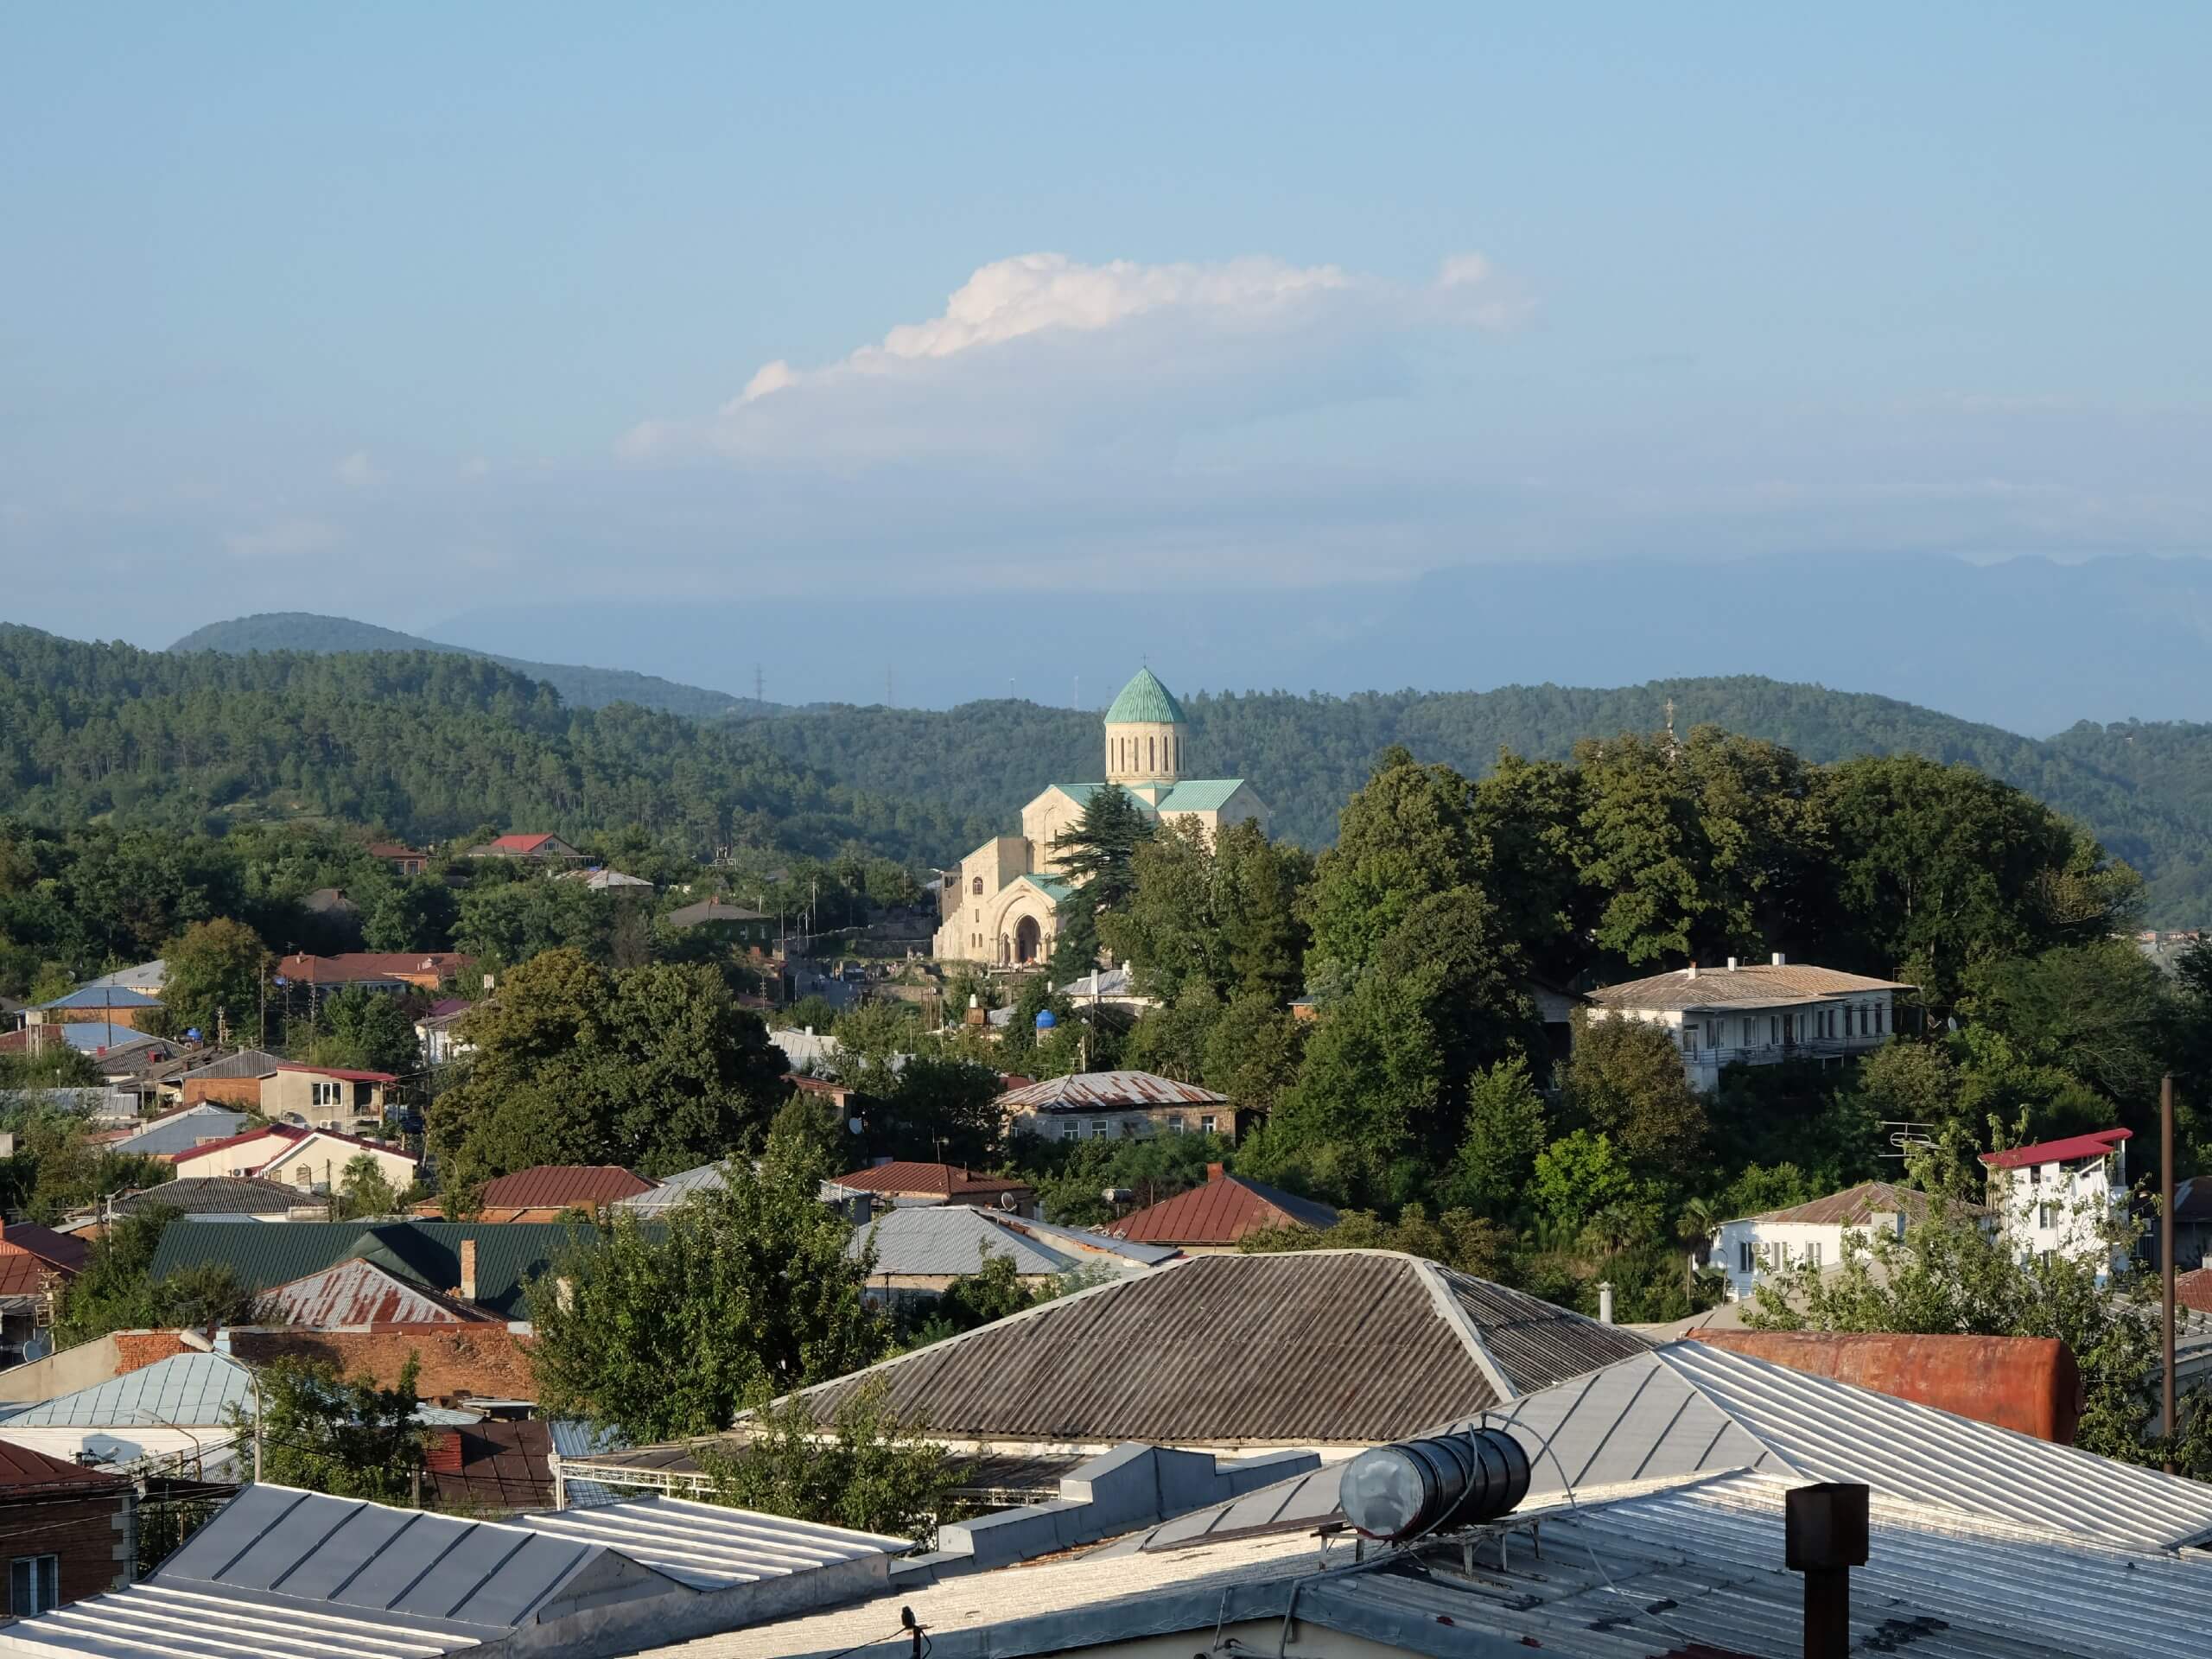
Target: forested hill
427	745
2145	790
580	687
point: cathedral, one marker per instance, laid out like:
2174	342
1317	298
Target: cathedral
1003	907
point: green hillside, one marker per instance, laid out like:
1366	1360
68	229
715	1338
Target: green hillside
429	745
580	687
2145	790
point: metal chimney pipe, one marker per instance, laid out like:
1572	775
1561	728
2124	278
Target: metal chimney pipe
1825	1536
1605	1302
2166	1261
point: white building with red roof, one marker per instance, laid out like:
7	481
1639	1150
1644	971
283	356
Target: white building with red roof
2064	1198
311	1161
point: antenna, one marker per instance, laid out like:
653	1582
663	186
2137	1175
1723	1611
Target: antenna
890	696
759	685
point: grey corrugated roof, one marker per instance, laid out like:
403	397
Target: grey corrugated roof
1690	1407
193	1389
1106	1090
707	1178
1753	985
214	1195
246	1063
710	1545
954	1239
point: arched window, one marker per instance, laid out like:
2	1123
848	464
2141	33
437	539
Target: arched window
978	888
1151	764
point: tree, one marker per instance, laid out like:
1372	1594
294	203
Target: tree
655	1068
510	922
363	1190
745	1290
359	1027
1408	835
213	978
1625	1078
1505	1131
1252	1051
350	1439
992	1291
1212	908
873	1473
1096	853
1578	1176
114	1292
415	914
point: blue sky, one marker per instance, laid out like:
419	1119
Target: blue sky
405	312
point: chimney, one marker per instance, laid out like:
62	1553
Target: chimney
1732	965
1824	1537
1690	972
1605	1302
468	1269
1779	960
1214	1173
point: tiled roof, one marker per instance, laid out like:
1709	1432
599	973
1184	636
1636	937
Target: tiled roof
2194	1289
496	1466
262	1257
195	1389
1757	985
23	1471
1857	1206
545	1186
1220	1212
28	1251
2058	1152
1145	700
956	1240
357	967
519	844
927	1180
1106	1090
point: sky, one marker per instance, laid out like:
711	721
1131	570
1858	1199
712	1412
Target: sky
412	311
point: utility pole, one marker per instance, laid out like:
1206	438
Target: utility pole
2166	1261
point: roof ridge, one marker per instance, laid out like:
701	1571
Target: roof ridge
1432	1277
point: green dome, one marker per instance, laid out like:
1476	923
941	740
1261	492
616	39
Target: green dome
1145	699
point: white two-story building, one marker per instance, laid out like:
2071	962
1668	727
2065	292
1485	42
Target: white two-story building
2064	1198
1758	1014
1750	1248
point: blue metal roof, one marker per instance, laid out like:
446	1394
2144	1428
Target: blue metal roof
193	1390
104	996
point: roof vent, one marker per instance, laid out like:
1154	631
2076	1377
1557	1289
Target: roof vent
1779	960
1690	972
1430	1485
1732	965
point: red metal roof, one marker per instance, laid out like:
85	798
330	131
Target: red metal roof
559	1187
497	1465
926	1180
1221	1211
519	844
2058	1152
342	1073
28	1252
353	966
22	1469
281	1131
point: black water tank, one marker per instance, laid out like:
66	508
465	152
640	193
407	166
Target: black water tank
1420	1486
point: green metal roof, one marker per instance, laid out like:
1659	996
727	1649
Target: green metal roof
1145	699
1052	887
1200	795
262	1257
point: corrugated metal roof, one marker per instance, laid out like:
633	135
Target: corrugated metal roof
195	1390
214	1195
1220	1212
356	1294
1754	984
246	1063
154	1621
546	1187
23	1469
1855	1206
104	996
1199	795
180	1131
507	1253
710	1545
956	1240
1145	700
146	976
2058	1152
927	1180
659	1200
1091	1091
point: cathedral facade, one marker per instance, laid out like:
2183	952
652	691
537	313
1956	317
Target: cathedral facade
1003	908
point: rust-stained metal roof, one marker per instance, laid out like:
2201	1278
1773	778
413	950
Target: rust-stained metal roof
357	1294
1754	985
1855	1206
905	1179
561	1186
1095	1091
1221	1211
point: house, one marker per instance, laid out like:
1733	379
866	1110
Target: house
544	849
486	1263
173	1082
2062	1197
1327	1352
182	1130
903	1181
550	1191
805	1052
307	1159
604	881
1095	1105
1212	1219
735	923
1107	987
35	1264
321	1096
219	1197
363	1294
1749	1248
172	1416
281	1570
399	858
146	976
65	1531
920	1251
112	1004
656	1202
439	1031
374	971
1749	1013
2193	1290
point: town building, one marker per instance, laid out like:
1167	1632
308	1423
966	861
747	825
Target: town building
1107	1105
399	858
1213	1219
220	1198
550	1191
181	1130
374	971
544	849
907	1181
320	1097
1003	907
2062	1198
439	1031
310	1161
1752	1248
917	1251
36	1265
65	1531
114	1004
735	923
146	976
1754	1013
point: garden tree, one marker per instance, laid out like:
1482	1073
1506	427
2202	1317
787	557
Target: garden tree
349	1439
1578	1176
1171	1042
214	978
363	1190
745	1290
1528	814
1625	1079
2101	1012
418	913
1409	834
1252	1050
113	1292
1097	852
55	1065
1216	909
1505	1131
358	1027
940	1109
871	1472
1472	979
654	1068
503	922
1802	1112
1458	1238
1937	868
815	1128
58	1166
992	1291
1072	1177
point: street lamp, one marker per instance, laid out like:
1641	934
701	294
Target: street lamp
199	1344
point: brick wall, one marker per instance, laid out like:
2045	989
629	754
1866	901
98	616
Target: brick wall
135	1350
225	1091
483	1359
91	1538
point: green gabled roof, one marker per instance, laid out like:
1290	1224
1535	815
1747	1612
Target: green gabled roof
1052	887
508	1254
1145	699
1200	794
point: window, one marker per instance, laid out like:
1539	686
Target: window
1099	1128
976	887
326	1094
1743	1256
2046	1215
1690	1040
1174	1126
34	1585
1207	1126
302	1175
1774	1028
1812	1255
1071	1129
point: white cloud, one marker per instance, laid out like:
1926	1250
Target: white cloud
286	538
1041	352
357	471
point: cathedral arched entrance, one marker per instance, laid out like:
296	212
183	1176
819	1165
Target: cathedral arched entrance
1026	938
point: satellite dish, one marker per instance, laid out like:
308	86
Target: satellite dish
1009	1203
